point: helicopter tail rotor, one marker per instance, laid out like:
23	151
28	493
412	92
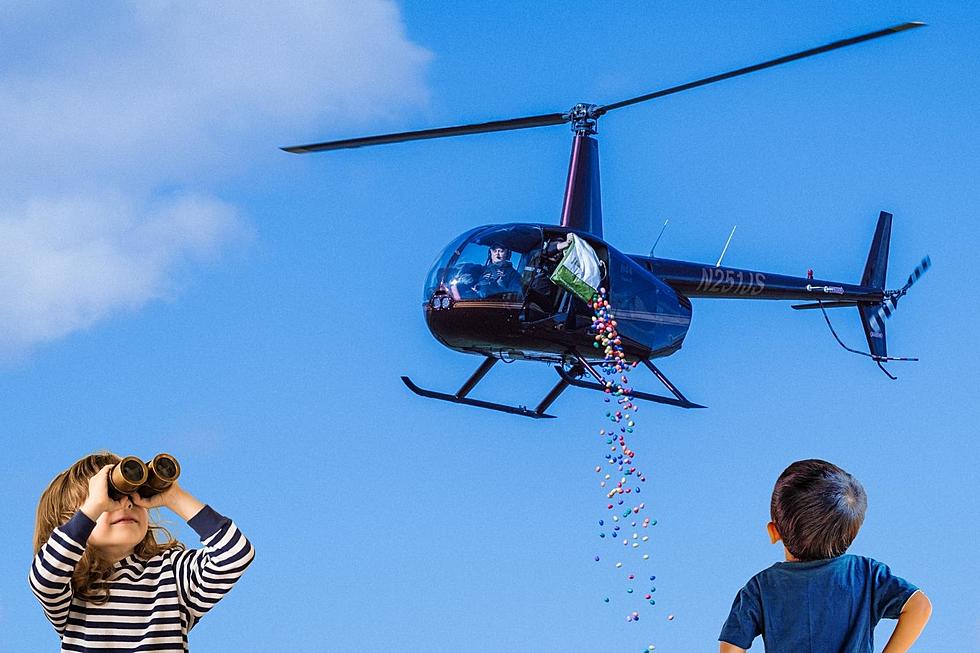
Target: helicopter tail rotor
873	316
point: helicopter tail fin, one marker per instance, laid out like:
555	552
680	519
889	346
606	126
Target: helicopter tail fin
874	313
874	329
874	277
877	265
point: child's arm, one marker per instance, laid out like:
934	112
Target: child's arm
911	621
55	562
745	620
204	575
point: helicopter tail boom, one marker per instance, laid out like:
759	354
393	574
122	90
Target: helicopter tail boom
704	280
698	280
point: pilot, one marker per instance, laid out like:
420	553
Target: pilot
498	275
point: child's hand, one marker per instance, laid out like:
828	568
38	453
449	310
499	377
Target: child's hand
98	500
175	498
164	499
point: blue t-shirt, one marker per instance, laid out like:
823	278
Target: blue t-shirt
824	606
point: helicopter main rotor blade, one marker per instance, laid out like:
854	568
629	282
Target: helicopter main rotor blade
760	66
590	111
477	128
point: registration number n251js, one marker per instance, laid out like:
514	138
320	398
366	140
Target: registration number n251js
735	282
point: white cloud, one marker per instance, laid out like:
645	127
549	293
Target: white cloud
67	263
132	98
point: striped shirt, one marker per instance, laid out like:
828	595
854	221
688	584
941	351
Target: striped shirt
152	603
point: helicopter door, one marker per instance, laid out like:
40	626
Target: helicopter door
546	299
648	311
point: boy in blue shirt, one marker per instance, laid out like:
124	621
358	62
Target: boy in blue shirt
820	600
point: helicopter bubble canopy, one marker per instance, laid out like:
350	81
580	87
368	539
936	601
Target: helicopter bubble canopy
486	264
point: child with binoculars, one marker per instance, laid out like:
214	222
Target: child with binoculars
108	577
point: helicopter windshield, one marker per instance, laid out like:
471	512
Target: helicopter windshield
490	263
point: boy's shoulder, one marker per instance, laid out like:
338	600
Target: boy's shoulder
847	569
867	580
844	563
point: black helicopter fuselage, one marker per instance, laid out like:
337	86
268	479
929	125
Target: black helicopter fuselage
530	318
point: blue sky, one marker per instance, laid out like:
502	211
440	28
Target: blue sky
171	281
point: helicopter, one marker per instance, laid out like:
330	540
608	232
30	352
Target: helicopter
516	312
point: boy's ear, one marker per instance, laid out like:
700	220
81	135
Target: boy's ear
774	535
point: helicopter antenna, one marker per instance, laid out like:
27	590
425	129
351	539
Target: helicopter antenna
662	230
727	243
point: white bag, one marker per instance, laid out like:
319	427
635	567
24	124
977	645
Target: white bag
580	270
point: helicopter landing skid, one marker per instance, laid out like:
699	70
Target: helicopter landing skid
572	377
461	398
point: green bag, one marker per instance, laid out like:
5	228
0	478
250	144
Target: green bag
580	270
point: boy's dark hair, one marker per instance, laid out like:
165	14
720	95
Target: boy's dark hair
818	509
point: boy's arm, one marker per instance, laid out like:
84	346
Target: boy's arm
745	620
204	575
911	621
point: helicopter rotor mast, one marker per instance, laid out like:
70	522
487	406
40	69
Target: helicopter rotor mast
582	203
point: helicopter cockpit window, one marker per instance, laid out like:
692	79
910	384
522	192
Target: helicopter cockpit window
439	270
490	264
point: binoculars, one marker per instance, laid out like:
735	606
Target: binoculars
133	475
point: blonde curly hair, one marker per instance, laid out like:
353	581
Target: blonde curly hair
58	503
